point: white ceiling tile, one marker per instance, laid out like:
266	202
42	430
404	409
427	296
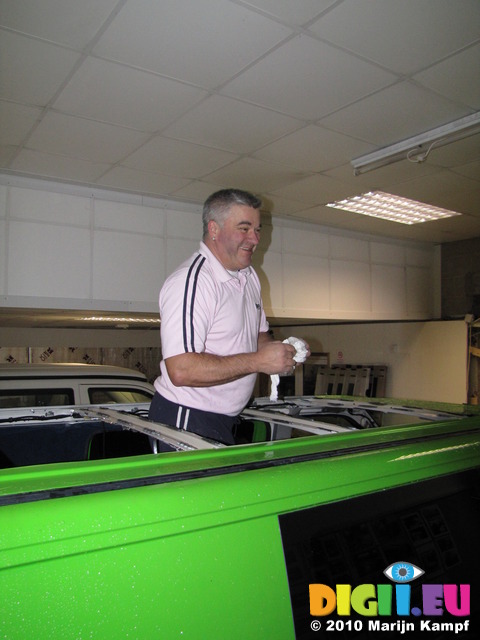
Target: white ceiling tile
327	216
200	42
313	148
32	71
16	120
453	77
56	166
470	170
126	179
403	36
446	230
114	93
85	139
65	21
230	124
470	201
338	219
7	154
438	189
281	206
293	78
295	13
175	157
381	118
457	153
312	190
254	175
196	191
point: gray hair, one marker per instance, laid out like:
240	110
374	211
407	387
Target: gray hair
217	206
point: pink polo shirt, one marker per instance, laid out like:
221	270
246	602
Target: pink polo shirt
204	308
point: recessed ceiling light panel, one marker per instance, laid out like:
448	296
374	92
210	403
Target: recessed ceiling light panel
378	204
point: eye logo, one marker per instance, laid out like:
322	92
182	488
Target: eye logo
403	572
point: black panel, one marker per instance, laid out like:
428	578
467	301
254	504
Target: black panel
433	525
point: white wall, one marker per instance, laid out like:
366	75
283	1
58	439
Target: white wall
69	247
425	360
310	271
65	247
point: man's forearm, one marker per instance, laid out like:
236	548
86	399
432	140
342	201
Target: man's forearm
206	370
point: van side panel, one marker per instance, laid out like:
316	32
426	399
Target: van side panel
229	580
171	561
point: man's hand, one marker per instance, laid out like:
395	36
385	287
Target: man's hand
276	357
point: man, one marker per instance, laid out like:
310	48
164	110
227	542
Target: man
213	328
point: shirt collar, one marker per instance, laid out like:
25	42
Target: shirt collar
220	272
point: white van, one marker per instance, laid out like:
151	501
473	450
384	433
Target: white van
48	384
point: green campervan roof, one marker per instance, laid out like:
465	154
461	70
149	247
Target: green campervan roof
112	526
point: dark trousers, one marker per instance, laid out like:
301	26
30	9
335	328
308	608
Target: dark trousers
215	426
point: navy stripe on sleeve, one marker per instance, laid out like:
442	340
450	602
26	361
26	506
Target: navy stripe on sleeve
189	303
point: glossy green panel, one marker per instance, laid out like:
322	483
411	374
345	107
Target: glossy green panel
191	549
188	585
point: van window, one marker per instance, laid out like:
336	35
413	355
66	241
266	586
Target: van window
12	398
117	395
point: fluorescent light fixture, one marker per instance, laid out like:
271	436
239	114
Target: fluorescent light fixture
121	319
417	148
394	208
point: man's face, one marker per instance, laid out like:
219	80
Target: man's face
237	239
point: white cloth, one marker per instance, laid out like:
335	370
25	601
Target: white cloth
300	356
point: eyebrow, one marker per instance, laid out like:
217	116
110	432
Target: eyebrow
248	223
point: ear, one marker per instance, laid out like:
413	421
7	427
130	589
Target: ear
213	228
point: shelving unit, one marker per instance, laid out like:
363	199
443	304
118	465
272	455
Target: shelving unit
306	373
352	380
